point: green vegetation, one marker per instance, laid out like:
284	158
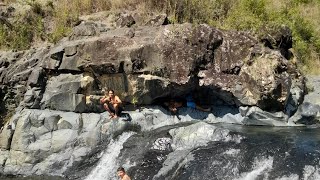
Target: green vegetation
302	16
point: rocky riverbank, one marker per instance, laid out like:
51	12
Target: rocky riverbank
56	127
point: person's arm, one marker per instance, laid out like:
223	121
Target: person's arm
118	100
104	99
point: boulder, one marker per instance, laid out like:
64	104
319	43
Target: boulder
36	78
83	30
196	135
277	37
63	93
256	116
313	92
5	138
125	20
174	60
18	70
41	145
307	114
158	20
32	98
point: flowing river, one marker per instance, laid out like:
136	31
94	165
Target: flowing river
280	153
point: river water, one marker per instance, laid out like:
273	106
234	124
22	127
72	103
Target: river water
280	153
264	153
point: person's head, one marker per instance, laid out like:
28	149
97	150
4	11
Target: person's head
111	93
121	172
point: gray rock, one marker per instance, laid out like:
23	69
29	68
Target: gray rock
69	120
307	114
196	135
53	58
256	116
85	29
125	20
36	78
5	138
16	163
116	56
62	139
313	95
51	122
38	146
4	154
158	20
297	92
62	94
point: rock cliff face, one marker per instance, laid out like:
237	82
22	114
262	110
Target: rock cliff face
55	126
145	63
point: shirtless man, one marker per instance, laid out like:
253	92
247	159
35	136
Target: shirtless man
122	174
112	104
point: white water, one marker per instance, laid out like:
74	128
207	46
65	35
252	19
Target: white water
261	166
264	166
108	164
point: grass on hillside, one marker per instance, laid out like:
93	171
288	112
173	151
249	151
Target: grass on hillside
302	16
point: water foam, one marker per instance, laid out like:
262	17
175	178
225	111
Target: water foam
107	166
261	166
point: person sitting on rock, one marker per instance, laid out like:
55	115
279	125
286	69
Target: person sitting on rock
122	174
192	104
176	103
112	104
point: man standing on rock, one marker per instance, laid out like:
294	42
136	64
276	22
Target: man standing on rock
112	104
122	174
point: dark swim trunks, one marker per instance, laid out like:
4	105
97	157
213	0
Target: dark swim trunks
120	109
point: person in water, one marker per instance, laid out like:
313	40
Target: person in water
174	104
112	104
122	174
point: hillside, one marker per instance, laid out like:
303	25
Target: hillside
30	23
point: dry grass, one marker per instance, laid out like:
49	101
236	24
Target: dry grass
66	14
302	16
309	12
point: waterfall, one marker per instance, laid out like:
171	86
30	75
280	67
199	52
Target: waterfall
108	164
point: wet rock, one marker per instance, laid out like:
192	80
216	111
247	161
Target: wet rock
184	137
38	146
256	116
307	114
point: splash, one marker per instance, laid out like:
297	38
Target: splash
107	166
261	167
